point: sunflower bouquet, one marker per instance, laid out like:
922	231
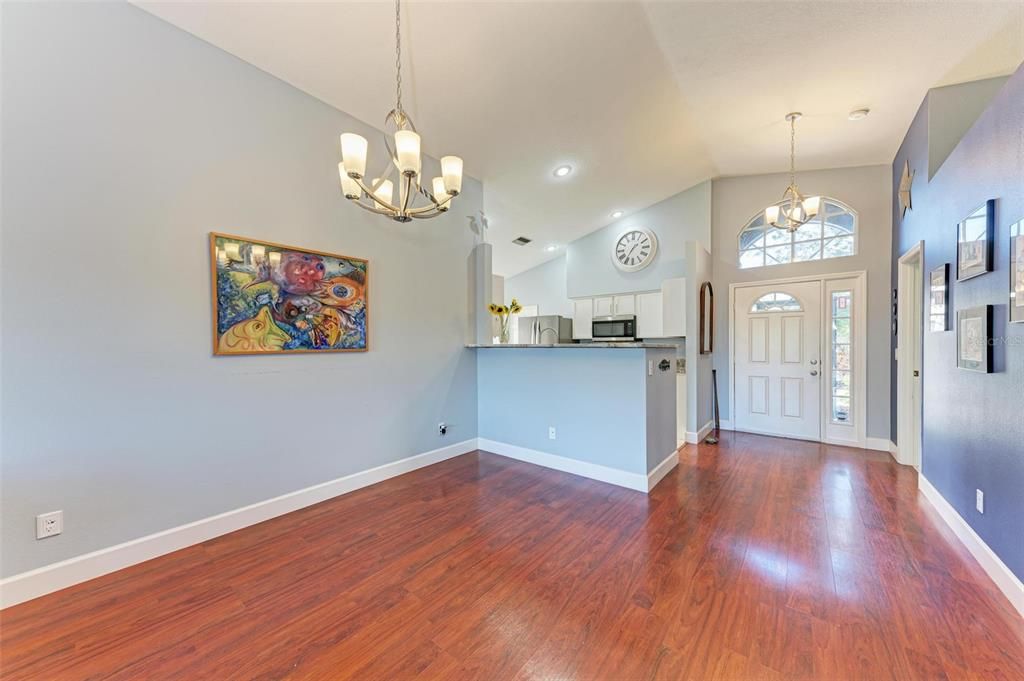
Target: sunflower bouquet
503	312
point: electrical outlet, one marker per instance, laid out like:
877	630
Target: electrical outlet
979	500
49	524
551	433
442	428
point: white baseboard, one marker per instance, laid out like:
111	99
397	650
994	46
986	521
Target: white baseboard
725	424
1007	582
878	444
693	438
662	469
49	578
594	471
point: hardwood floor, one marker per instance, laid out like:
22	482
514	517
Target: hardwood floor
756	559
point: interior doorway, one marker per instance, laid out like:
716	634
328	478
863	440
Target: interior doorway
909	340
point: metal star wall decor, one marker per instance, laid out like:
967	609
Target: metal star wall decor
905	183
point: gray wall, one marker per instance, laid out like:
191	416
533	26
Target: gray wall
699	395
973	428
632	427
867	190
125	142
544	286
683	217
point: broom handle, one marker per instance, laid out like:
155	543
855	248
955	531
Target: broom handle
714	384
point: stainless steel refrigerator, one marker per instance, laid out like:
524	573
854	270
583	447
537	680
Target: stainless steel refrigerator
545	330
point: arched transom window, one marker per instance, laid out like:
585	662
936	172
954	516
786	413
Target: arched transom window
831	234
777	301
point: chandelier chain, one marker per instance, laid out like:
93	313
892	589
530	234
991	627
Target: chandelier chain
398	57
792	151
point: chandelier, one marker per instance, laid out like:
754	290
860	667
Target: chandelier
795	209
377	195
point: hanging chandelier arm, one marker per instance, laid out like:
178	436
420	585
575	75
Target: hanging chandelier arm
373	209
388	209
408	194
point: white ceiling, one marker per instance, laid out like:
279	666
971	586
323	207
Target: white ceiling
643	99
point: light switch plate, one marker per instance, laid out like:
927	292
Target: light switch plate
979	500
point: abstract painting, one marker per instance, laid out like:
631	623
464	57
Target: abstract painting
271	299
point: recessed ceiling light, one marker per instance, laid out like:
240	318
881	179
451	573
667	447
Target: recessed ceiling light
859	114
562	171
551	248
617	214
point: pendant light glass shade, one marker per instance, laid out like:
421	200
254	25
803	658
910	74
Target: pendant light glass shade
353	154
451	170
349	187
407	149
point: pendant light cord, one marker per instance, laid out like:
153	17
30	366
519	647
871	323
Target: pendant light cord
792	151
398	57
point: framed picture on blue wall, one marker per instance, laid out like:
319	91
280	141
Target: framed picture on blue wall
938	298
973	334
1017	271
974	240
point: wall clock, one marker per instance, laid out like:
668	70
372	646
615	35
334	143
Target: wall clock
634	249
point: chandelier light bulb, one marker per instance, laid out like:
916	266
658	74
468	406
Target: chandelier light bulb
353	153
451	170
384	192
349	187
407	149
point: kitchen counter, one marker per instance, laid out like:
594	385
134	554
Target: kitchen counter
607	414
627	346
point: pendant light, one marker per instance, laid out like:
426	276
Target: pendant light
795	209
403	145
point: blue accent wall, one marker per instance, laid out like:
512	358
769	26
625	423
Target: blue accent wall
973	423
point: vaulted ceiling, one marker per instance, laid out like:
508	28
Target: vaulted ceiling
642	99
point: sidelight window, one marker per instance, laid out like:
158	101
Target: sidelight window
842	356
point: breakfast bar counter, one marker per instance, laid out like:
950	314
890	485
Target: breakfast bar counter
606	412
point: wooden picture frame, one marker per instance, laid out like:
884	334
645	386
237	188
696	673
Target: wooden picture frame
973	339
270	298
975	239
1016	313
707	318
938	298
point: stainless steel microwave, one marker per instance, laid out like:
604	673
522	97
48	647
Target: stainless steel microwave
614	328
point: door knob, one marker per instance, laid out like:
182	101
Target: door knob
814	372
813	362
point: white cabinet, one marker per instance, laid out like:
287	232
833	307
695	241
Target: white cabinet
582	319
649	315
673	296
624	304
659	314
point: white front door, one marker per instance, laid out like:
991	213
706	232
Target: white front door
777	363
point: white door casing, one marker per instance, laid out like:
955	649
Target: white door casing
777	370
909	332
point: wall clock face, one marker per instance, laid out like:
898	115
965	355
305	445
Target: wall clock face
634	249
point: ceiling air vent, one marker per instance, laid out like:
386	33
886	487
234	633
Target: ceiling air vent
521	241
